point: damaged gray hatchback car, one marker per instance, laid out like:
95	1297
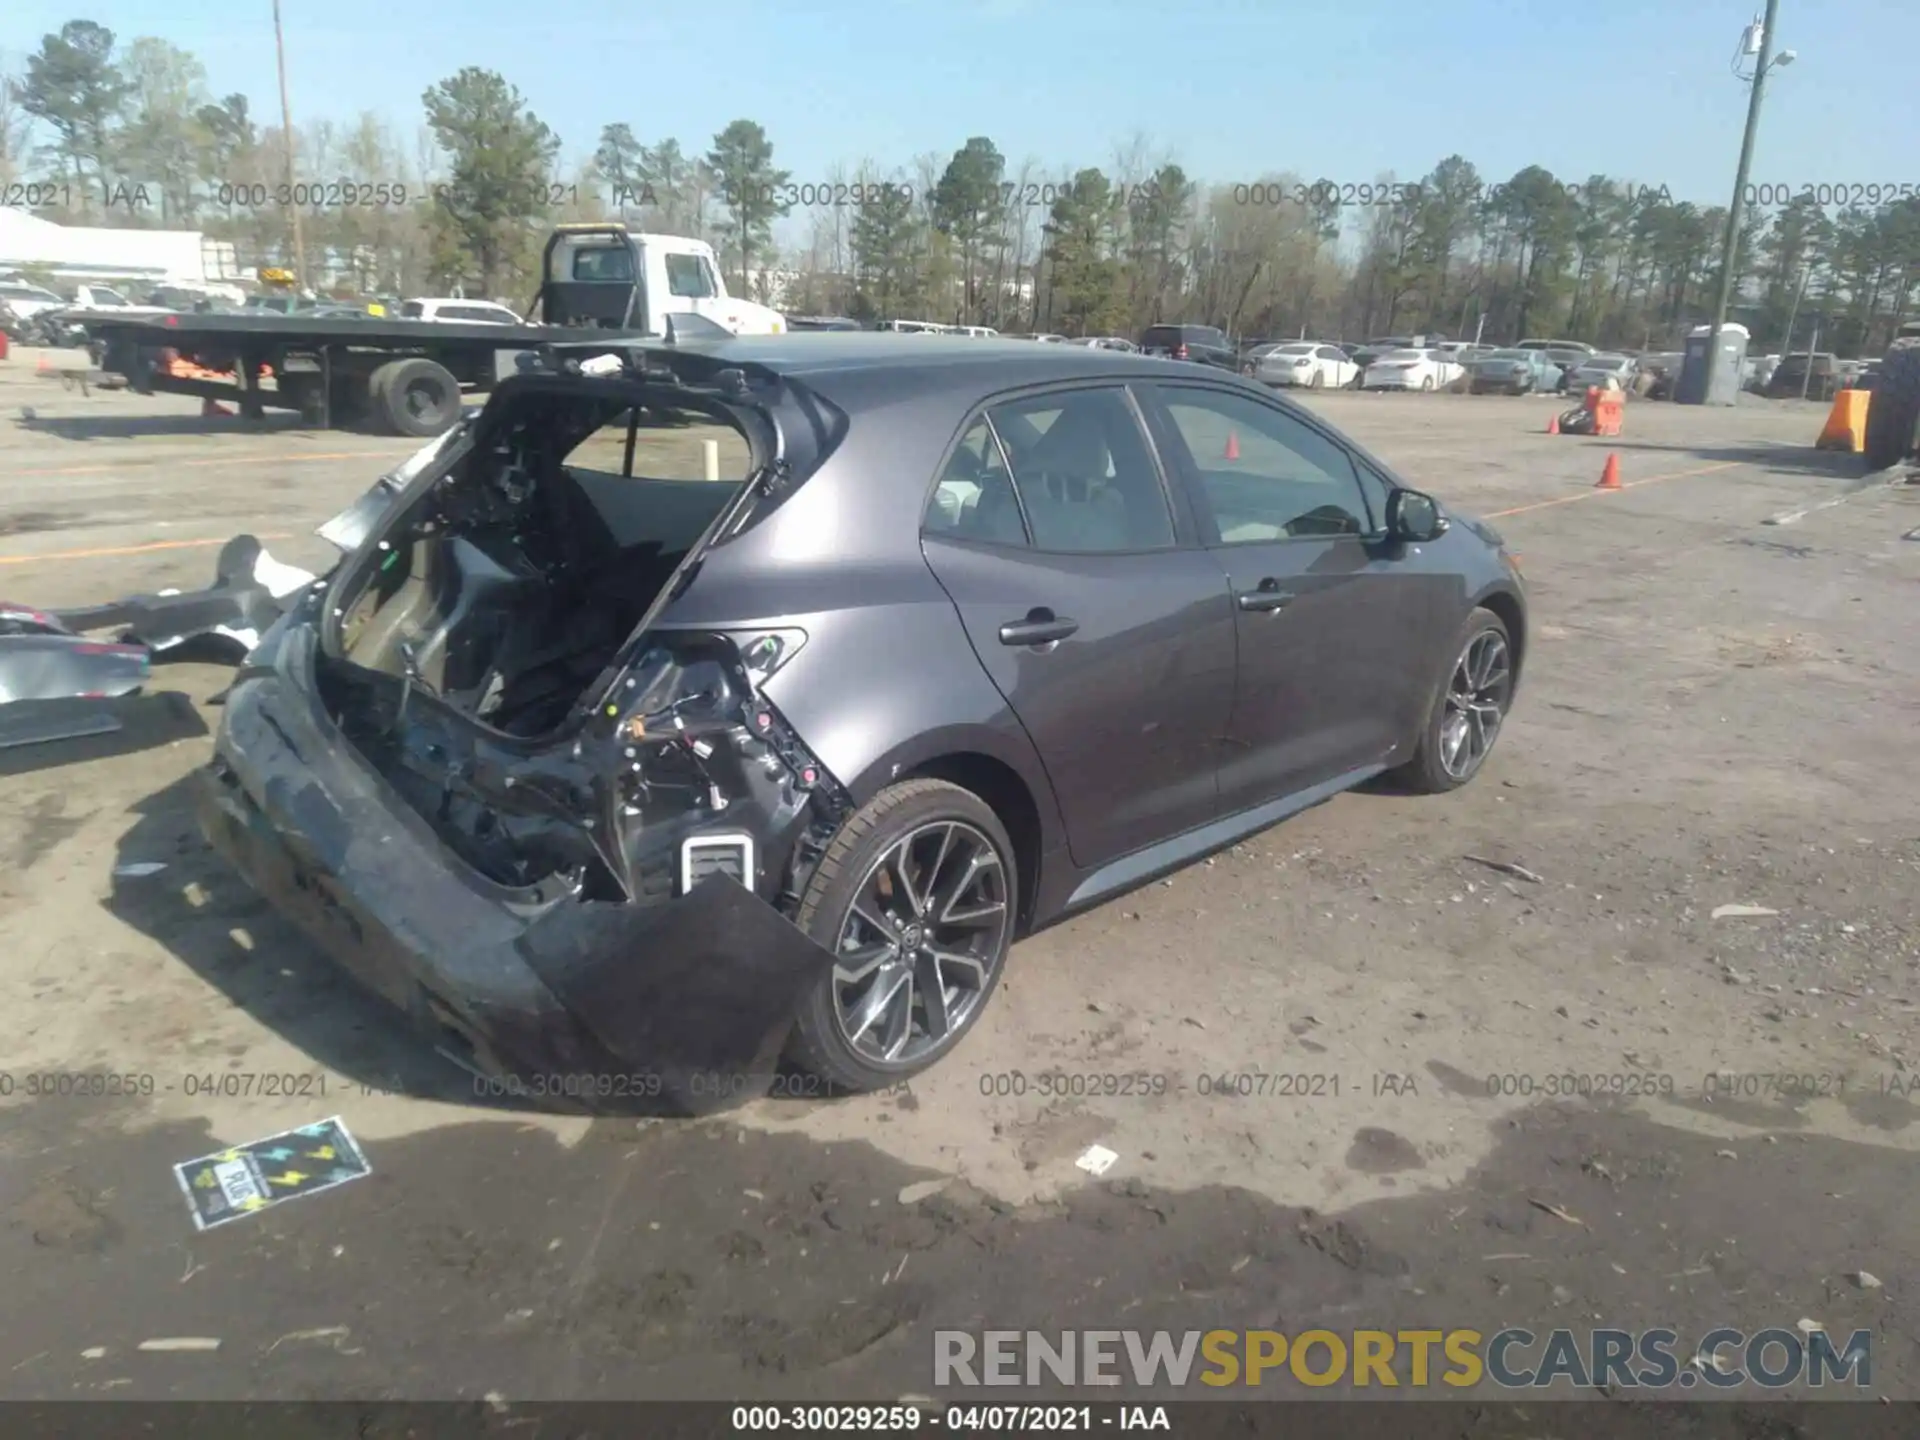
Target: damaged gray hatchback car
701	713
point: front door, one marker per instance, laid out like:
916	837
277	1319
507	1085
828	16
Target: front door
1109	633
1333	629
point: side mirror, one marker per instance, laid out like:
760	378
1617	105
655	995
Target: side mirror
1414	517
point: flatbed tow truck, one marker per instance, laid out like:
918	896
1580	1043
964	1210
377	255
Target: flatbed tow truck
409	376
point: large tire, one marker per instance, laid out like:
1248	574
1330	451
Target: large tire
853	868
1893	411
1317	381
1432	769
417	397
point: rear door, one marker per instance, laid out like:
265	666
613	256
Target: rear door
1102	622
1334	626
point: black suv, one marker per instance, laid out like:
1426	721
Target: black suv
1202	344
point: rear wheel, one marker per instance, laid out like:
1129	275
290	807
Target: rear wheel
1317	381
916	898
1893	410
416	397
1468	712
1426	382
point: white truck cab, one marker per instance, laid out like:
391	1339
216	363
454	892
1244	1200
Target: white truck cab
602	274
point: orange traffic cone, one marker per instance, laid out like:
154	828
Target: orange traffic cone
1609	474
1233	445
1553	424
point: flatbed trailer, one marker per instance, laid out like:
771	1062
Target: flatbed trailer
406	375
598	282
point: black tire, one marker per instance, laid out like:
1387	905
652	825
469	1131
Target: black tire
1317	382
819	1044
1428	771
417	397
1426	382
1893	410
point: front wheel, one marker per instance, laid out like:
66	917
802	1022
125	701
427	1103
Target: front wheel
1469	711
916	898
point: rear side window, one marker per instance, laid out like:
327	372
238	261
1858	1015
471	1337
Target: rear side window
603	263
412	310
1084	476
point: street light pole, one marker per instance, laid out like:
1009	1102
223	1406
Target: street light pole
286	138
1732	239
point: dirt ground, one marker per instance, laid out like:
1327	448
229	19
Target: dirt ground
1352	1031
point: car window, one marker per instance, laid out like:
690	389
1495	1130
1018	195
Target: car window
974	499
1265	475
1327	352
688	277
1085	478
601	263
661	451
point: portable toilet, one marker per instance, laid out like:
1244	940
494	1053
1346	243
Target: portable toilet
1692	386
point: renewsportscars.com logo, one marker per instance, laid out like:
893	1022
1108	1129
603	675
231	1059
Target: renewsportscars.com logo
1513	1359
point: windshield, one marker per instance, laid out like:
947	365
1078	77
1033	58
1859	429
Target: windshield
1292	350
1404	355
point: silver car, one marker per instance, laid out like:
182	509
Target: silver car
1601	370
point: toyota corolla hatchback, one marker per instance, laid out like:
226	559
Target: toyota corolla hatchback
701	713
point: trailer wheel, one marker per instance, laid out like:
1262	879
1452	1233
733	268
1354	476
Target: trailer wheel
416	397
1893	410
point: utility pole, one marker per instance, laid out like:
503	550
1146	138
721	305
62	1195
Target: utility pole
1732	239
286	137
1793	311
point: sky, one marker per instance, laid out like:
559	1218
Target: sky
1232	89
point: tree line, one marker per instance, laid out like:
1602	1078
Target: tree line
99	132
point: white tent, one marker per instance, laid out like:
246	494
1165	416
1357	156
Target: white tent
76	252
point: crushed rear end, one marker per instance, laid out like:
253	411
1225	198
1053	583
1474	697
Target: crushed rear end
477	770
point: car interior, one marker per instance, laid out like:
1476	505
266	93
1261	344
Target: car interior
1080	468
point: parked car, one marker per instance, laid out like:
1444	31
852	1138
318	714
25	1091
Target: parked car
1599	370
1411	370
1202	344
1366	354
1306	363
623	814
822	322
27	300
1252	355
1108	342
1463	352
1578	347
1516	371
1819	374
459	312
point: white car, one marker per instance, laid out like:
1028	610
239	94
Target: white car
27	301
1109	342
459	312
1411	370
1317	367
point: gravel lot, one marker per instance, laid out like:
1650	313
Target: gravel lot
1719	711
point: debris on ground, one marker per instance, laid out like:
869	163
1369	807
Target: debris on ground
1096	1160
1507	867
1740	912
923	1190
1865	1279
1558	1212
138	869
181	1343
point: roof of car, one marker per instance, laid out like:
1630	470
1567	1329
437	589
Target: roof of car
1004	361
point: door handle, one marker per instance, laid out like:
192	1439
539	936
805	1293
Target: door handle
1041	627
1268	596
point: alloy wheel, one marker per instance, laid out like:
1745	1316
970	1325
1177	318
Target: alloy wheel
1477	696
928	924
